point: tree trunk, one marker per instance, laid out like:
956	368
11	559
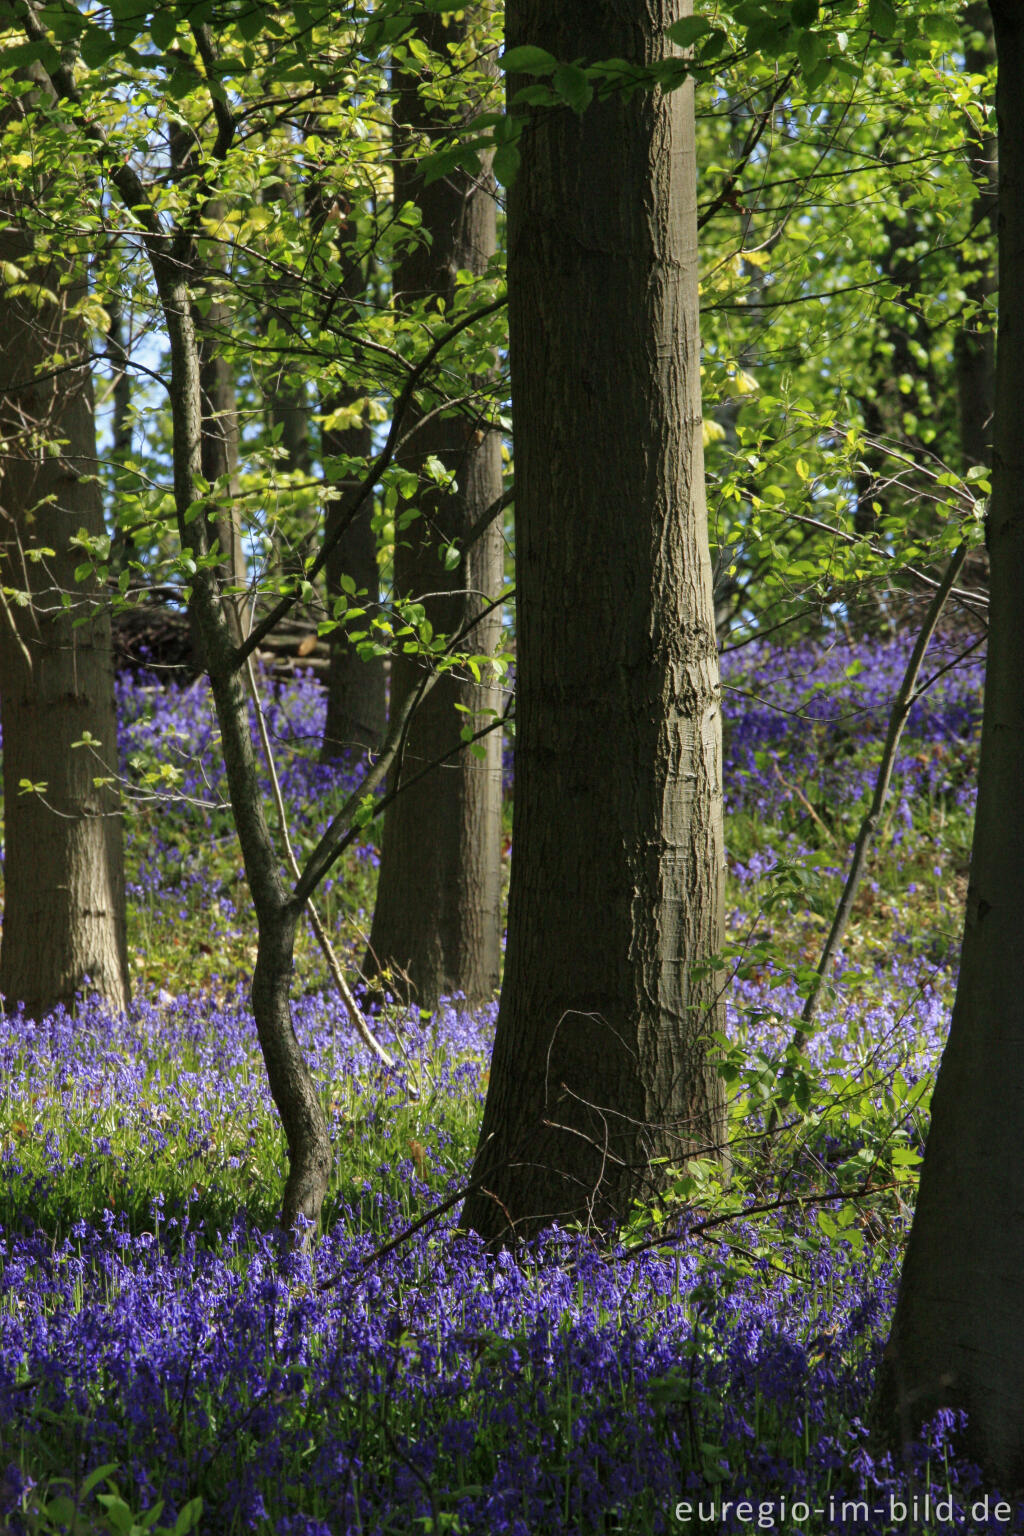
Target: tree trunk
64	897
356	697
601	1062
974	348
356	687
291	1084
957	1338
172	262
437	920
220	438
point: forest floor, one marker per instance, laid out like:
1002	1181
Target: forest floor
165	1363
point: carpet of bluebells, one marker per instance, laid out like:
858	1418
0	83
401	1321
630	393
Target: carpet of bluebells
168	1363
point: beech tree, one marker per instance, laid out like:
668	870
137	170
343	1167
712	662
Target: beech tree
165	220
603	1074
956	1338
64	897
437	921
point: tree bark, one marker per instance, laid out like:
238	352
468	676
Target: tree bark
291	1084
356	688
974	347
437	920
601	1063
211	318
64	896
357	711
956	1339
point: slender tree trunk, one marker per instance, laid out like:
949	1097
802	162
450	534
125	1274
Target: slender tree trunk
356	687
974	348
64	897
957	1338
277	912
121	423
221	433
291	1083
220	436
437	920
601	1062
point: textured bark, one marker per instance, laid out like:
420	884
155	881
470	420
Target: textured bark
64	899
437	919
601	1062
956	1337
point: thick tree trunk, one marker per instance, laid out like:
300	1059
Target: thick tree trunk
64	898
437	920
601	1063
957	1338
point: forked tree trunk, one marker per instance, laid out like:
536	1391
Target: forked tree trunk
64	897
437	920
291	1084
957	1338
601	1062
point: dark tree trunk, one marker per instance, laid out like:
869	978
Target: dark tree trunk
437	920
974	348
356	686
957	1338
601	1063
356	697
64	898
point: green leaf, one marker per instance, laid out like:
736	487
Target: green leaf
882	17
118	1512
97	47
96	1476
688	29
942	29
250	23
804	13
528	60
188	1517
61	1510
768	36
810	50
164	26
506	163
572	85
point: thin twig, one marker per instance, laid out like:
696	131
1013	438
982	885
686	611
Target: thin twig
351	1007
904	702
